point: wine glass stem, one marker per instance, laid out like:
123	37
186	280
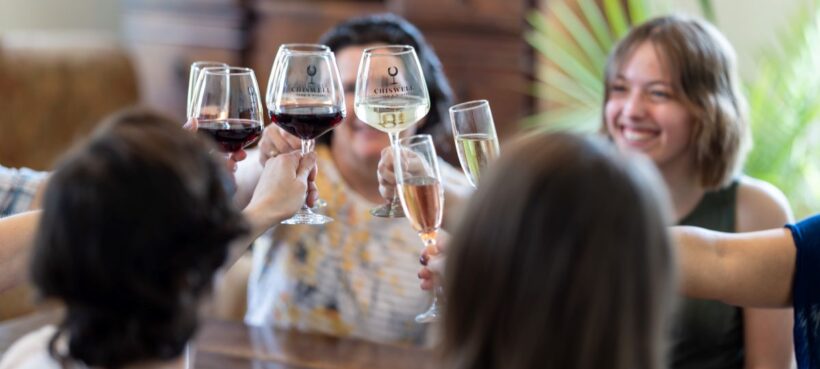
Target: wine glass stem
307	147
394	144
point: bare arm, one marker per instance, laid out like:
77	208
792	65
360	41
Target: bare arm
767	332
745	269
16	237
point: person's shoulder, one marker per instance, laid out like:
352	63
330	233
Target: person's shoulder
31	351
760	205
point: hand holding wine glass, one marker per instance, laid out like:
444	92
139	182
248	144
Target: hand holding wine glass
418	181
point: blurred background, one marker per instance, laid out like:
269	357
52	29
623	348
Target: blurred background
64	65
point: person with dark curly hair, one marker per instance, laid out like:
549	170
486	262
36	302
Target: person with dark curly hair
135	223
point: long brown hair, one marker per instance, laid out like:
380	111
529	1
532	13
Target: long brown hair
562	261
704	73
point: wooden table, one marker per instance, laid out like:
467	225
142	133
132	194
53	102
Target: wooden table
233	345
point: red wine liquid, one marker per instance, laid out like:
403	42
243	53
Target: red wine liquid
231	134
307	122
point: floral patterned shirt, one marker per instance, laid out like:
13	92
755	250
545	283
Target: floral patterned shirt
355	276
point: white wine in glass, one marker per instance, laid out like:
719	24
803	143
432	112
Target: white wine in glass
419	186
476	140
391	96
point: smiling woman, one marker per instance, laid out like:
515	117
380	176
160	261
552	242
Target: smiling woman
672	93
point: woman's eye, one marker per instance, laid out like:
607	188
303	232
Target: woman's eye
617	88
660	94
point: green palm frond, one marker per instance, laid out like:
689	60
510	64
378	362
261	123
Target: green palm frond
575	43
784	100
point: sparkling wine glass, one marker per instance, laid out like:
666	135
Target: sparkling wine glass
476	141
305	98
193	79
228	107
391	96
419	186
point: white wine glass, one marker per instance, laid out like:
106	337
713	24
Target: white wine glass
305	98
228	107
476	140
193	79
418	180
391	96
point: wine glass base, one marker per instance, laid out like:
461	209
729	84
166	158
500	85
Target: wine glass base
308	218
387	211
428	316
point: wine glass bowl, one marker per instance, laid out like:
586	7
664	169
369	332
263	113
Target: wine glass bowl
475	137
193	79
228	107
391	96
306	99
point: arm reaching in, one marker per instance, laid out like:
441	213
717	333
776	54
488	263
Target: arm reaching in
16	237
753	269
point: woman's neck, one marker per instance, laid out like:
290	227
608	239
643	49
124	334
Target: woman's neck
684	188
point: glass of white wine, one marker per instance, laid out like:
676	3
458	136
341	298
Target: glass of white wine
418	180
476	140
391	96
193	80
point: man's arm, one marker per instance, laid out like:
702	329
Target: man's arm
16	237
753	269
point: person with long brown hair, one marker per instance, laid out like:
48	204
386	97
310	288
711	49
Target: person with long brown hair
672	94
561	260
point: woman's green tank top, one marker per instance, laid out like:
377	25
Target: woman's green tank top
709	334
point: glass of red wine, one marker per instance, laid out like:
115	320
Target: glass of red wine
228	107
305	98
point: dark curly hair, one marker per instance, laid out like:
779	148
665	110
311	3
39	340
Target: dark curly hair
135	224
392	29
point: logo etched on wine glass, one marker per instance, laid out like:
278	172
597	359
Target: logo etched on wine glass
311	71
391	120
393	72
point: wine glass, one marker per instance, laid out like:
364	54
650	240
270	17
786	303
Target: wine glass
193	78
474	133
319	203
419	186
391	96
228	107
305	98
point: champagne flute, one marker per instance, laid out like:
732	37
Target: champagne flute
391	96
305	98
419	185
474	133
193	79
228	107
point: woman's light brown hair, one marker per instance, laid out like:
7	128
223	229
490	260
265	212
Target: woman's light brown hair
561	261
704	74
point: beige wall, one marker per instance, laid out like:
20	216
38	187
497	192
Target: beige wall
750	25
88	15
